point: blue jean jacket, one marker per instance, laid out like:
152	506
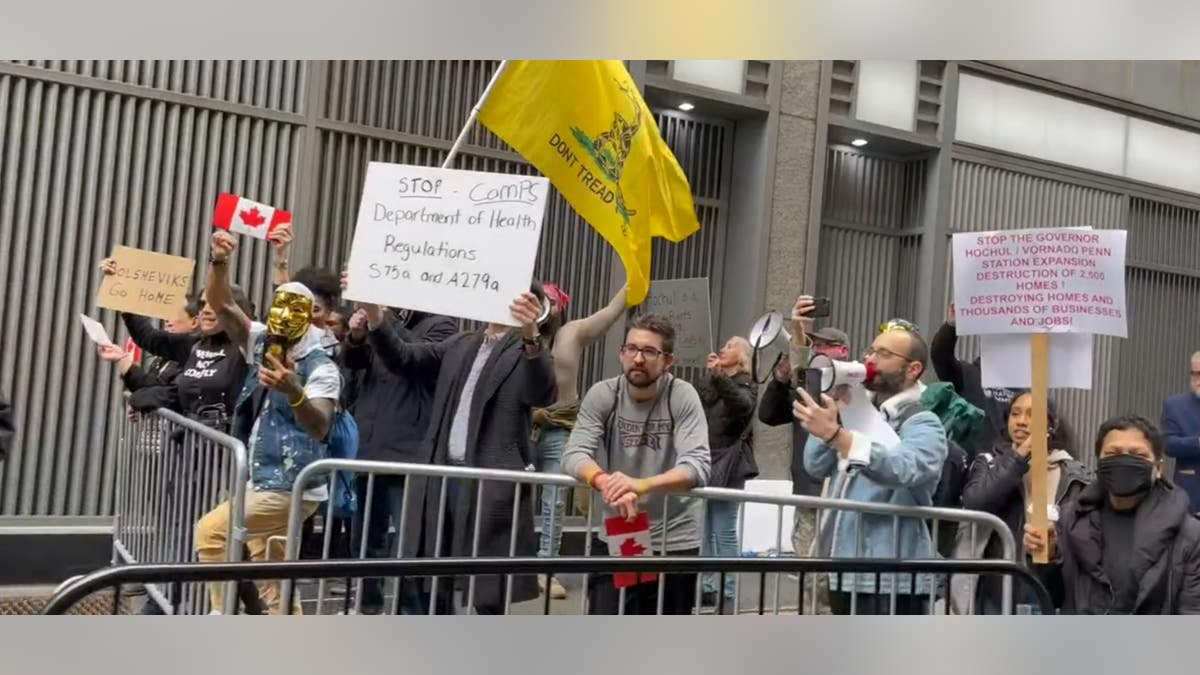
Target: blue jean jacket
280	447
905	474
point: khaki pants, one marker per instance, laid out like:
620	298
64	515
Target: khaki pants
803	535
266	516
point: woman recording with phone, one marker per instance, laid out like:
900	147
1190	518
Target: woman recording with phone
728	394
999	483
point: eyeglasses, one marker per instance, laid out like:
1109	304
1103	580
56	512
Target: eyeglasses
648	353
898	324
882	353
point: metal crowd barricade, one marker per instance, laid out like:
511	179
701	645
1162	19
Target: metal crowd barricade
980	525
170	472
116	578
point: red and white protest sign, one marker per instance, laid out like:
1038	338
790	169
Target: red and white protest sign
627	539
243	216
1062	280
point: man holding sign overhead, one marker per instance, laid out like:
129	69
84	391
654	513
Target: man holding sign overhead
488	383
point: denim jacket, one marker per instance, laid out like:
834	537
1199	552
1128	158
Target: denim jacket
905	474
280	447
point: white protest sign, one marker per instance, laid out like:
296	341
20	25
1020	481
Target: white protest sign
460	243
685	303
766	528
1007	361
95	331
1061	280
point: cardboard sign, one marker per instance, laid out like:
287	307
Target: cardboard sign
1061	280
685	303
460	243
147	283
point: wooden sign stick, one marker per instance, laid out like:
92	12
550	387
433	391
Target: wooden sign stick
1039	429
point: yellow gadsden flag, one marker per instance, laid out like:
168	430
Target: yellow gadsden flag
584	125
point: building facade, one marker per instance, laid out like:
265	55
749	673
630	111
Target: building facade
95	154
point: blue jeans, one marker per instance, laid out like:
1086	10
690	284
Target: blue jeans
386	505
720	539
554	501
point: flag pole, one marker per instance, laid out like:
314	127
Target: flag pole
462	135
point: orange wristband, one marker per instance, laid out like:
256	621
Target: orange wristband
590	479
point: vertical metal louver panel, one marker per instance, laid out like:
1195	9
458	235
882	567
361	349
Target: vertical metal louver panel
704	150
857	285
430	99
869	257
274	85
85	169
86	163
987	198
1163	297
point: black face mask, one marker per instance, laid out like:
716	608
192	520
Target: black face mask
1125	475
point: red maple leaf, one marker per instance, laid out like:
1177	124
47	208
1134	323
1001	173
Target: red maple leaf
630	547
252	217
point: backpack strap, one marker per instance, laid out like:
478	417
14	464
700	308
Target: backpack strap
610	420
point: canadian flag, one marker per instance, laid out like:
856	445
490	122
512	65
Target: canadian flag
242	216
134	350
627	539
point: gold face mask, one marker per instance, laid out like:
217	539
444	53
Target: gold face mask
287	321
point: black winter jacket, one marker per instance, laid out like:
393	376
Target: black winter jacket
1166	555
392	410
729	407
996	485
775	409
6	428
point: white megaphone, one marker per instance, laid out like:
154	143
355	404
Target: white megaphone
836	373
768	334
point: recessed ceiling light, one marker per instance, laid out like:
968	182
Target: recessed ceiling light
685	106
858	142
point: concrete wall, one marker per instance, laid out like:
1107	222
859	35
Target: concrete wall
795	151
1172	86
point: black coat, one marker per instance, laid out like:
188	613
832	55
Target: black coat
775	409
393	409
510	386
996	485
1166	555
178	347
967	380
6	428
729	408
153	386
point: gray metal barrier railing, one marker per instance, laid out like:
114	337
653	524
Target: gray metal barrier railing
980	523
170	472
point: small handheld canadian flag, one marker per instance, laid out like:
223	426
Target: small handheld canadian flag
134	350
243	216
627	539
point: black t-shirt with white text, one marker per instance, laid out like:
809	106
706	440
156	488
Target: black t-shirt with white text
212	376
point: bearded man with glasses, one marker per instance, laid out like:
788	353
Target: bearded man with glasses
905	474
640	436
